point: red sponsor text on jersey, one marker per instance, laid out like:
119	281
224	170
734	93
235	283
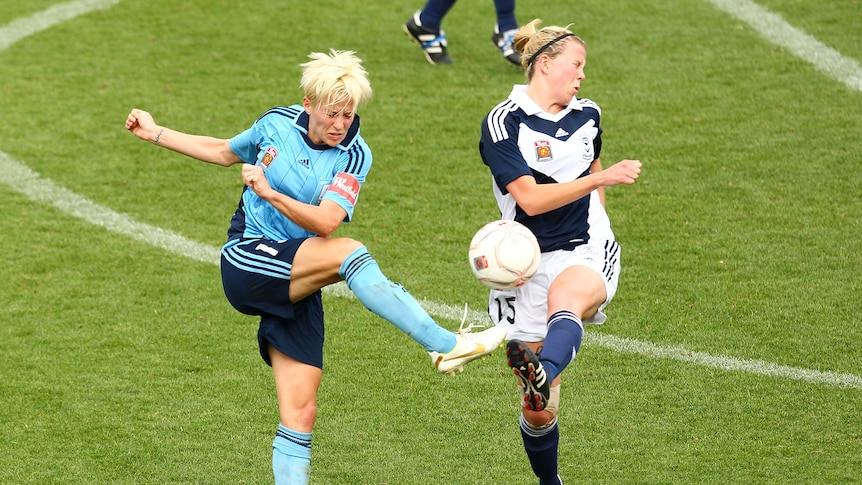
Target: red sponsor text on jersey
346	186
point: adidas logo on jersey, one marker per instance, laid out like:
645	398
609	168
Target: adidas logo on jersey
561	133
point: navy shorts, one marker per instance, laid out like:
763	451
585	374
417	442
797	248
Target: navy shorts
256	279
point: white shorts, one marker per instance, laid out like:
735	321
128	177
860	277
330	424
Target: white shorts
524	311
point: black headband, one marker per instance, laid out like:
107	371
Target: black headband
549	44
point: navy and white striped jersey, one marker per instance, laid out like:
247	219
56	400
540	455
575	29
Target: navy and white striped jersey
298	168
519	138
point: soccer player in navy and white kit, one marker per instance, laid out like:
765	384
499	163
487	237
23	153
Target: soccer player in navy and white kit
542	145
303	167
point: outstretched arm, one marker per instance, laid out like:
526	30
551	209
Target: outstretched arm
204	148
535	199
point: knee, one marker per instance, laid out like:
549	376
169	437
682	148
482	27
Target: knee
583	298
300	418
308	414
344	246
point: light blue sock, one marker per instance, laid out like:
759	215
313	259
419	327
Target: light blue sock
392	302
291	456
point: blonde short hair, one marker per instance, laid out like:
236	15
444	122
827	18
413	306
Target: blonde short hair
330	79
531	42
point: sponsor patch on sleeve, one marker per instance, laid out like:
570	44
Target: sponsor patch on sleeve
346	186
269	156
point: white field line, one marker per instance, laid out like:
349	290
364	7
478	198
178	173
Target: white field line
39	21
632	346
776	30
22	179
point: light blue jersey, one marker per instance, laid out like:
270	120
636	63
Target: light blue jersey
297	167
258	259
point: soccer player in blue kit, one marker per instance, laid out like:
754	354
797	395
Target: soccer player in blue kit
303	167
542	145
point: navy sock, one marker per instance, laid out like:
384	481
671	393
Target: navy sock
433	13
506	19
562	343
392	302
542	447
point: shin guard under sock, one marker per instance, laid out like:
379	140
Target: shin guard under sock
291	456
562	342
392	302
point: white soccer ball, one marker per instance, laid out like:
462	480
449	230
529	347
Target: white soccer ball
504	255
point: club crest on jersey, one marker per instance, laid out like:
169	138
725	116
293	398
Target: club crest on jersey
269	156
543	151
346	186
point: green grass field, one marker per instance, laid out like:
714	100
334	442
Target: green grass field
732	351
